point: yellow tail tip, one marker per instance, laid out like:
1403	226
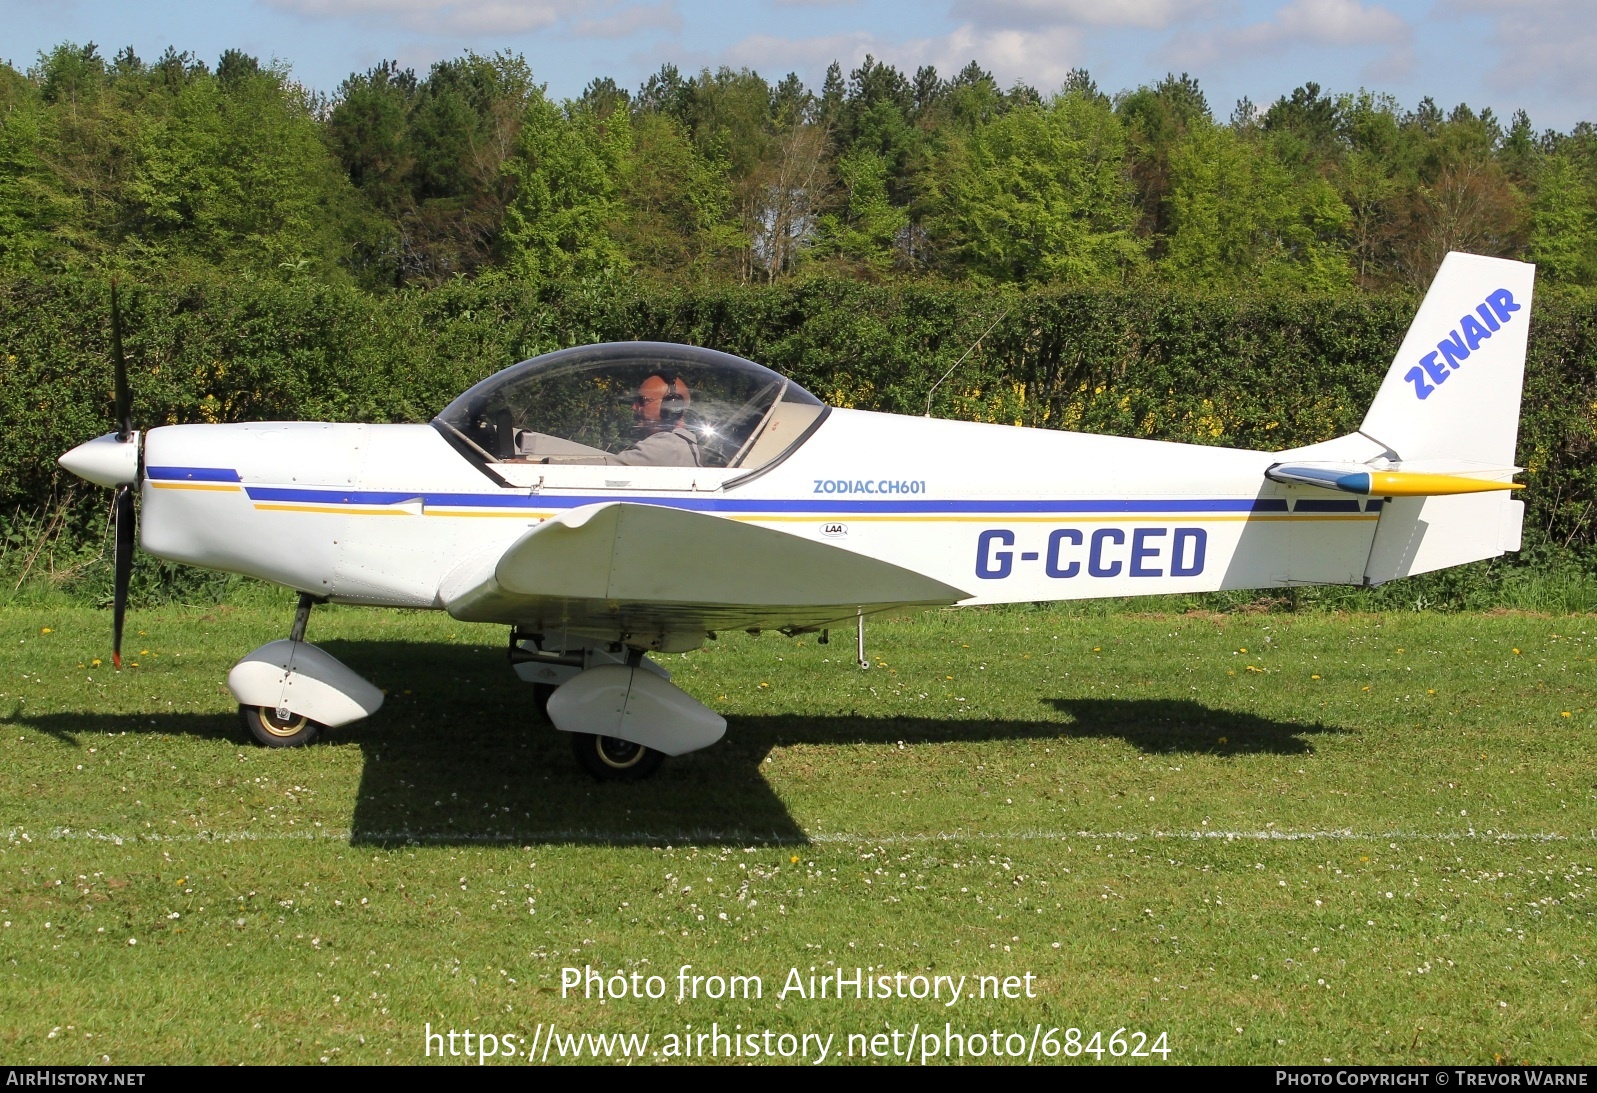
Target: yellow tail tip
1414	484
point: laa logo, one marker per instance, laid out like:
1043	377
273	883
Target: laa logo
1460	343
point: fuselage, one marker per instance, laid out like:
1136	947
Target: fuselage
381	514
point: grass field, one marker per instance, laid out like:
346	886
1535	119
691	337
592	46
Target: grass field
1273	838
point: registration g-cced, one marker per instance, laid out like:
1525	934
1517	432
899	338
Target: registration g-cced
1102	552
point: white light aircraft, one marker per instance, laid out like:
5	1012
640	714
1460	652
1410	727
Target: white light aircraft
610	501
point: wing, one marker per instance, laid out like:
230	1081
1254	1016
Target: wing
639	573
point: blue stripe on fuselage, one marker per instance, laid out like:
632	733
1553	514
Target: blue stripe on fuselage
723	504
192	474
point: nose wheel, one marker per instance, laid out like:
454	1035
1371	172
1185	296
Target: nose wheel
272	731
611	759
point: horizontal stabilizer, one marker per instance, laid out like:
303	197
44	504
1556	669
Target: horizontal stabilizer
1367	481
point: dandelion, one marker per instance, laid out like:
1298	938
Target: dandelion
1516	652
1565	713
793	860
45	630
95	663
1314	677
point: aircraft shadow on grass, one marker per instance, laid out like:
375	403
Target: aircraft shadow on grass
459	755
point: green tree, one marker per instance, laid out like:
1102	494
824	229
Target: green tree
1041	194
40	220
675	204
863	230
1239	216
237	175
369	131
1563	221
569	170
1155	120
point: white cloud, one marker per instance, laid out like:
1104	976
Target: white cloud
1312	23
1147	14
629	21
1548	44
460	18
767	51
1042	58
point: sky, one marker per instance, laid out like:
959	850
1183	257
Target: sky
1506	54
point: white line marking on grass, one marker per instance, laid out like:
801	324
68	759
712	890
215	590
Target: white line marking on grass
828	838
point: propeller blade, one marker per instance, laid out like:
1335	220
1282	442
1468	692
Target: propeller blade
124	397
123	509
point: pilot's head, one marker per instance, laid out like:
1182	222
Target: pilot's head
661	400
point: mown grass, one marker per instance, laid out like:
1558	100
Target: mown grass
1276	837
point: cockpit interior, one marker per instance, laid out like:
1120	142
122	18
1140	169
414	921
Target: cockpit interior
584	406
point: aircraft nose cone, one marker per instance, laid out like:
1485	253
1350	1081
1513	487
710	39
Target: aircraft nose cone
105	460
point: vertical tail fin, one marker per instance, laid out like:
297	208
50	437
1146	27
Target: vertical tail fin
1452	394
1451	402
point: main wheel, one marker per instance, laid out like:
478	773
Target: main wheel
272	731
611	759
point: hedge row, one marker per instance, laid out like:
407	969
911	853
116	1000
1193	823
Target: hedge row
1253	371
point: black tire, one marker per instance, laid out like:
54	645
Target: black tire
610	759
262	723
541	693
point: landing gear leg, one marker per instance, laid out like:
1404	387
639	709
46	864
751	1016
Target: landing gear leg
302	615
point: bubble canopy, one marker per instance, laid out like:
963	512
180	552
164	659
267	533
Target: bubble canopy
578	406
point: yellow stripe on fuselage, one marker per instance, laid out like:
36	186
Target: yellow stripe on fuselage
213	487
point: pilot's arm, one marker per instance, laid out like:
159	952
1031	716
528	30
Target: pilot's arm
676	448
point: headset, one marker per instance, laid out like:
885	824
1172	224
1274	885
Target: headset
673	404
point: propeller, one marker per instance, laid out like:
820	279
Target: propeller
122	503
122	510
124	398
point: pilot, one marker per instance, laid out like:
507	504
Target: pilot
657	410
